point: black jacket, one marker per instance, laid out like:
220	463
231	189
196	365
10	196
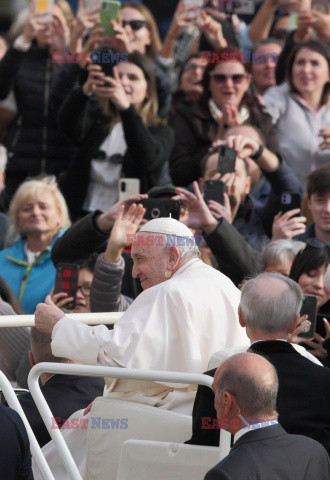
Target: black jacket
271	453
84	238
303	401
35	144
148	148
65	394
15	456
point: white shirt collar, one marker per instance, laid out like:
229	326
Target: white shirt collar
274	340
254	426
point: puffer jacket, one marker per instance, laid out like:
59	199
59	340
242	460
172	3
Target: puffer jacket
34	142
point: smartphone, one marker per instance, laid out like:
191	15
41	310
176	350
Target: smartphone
89	4
159	207
214	190
67	281
109	11
246	7
290	201
44	5
226	160
128	187
309	308
320	5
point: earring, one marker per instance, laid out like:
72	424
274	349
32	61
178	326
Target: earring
168	274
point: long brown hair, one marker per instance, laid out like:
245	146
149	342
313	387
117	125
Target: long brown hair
149	110
155	44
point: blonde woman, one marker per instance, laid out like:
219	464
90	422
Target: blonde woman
39	215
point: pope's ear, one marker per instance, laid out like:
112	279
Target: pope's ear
174	257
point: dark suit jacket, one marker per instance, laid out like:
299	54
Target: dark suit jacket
271	453
15	457
65	394
303	401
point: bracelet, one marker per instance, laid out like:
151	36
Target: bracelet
258	153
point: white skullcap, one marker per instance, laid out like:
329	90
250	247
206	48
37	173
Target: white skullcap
167	226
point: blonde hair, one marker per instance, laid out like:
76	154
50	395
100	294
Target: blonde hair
155	44
65	8
33	188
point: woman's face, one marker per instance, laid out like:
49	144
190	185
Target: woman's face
312	283
310	72
134	83
138	34
85	278
228	83
38	214
192	76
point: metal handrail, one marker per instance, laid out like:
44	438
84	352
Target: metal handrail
95	371
104	318
36	452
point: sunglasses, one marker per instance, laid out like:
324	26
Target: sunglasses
221	77
134	24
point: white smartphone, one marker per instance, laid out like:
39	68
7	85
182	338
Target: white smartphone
128	187
247	7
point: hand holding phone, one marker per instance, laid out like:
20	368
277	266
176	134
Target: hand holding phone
67	282
309	308
109	11
226	160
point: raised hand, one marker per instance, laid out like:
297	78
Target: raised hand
287	225
107	219
123	231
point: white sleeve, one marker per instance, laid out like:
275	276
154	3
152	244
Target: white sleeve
82	343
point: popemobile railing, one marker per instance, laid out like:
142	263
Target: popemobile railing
83	370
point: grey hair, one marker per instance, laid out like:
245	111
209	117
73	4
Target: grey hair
253	398
274	311
186	245
3	158
280	251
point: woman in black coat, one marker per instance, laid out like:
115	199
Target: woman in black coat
113	120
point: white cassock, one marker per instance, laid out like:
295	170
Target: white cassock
174	326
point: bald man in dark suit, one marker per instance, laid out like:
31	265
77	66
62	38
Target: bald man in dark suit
245	388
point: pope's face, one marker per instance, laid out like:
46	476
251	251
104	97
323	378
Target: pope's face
150	259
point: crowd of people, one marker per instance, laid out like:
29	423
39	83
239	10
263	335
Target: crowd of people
222	116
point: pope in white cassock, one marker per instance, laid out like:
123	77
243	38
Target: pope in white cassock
188	311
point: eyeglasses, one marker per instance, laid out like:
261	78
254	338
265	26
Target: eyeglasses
134	24
221	77
85	290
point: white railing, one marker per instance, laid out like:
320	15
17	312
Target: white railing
95	371
36	452
106	318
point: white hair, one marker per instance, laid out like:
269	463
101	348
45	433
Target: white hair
186	245
3	158
280	251
270	308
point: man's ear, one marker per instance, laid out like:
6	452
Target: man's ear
31	359
294	323
174	257
240	318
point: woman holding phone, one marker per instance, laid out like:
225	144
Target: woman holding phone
308	270
114	122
